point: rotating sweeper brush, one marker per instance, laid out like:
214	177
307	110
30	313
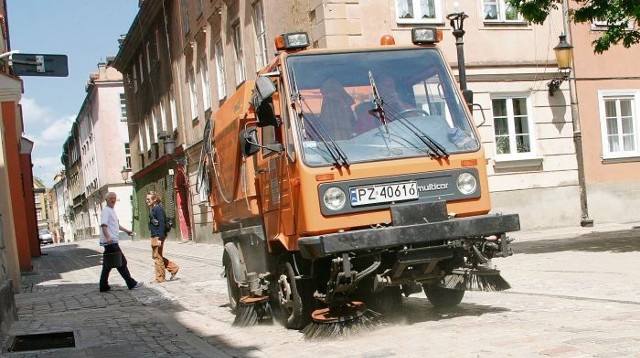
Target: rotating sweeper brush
349	319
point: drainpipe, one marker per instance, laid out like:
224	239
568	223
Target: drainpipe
585	221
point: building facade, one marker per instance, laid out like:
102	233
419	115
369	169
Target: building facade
607	97
96	153
182	59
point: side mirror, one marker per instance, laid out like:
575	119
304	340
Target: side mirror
263	103
468	96
264	88
249	141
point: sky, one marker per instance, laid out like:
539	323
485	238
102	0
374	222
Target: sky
87	31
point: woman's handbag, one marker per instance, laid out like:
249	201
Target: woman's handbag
112	259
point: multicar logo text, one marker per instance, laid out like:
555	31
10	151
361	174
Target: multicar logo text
433	186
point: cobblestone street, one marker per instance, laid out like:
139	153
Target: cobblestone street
574	294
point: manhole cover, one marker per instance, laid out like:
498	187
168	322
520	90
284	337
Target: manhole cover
33	342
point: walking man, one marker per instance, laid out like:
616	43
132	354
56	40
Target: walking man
109	232
157	228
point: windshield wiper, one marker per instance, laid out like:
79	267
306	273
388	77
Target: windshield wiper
378	110
438	149
339	157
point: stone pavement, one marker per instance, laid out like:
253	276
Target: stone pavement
566	301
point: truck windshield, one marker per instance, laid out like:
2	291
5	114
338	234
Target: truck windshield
378	105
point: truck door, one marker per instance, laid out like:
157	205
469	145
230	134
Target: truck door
274	185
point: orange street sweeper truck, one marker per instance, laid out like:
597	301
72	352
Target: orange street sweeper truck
342	179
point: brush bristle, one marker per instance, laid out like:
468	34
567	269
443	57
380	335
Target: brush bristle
251	314
469	280
365	322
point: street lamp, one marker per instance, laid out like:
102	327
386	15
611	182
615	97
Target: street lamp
564	56
169	143
456	20
125	174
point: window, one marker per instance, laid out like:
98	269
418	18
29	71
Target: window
135	78
261	40
156	125
193	94
184	6
619	123
140	139
123	108
148	53
239	54
157	44
512	126
163	116
147	128
127	156
174	112
418	11
500	11
38	215
140	63
204	78
220	70
199	7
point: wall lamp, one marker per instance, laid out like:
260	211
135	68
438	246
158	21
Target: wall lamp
564	56
168	142
125	174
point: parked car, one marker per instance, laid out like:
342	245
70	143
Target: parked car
45	237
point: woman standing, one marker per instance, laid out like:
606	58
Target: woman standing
157	220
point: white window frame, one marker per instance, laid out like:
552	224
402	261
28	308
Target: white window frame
403	7
174	112
147	134
127	155
501	7
206	86
163	115
634	96
193	94
261	38
514	155
123	108
236	35
221	74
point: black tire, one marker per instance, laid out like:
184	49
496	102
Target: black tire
232	287
441	297
293	311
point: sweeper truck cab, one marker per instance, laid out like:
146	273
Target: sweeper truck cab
342	179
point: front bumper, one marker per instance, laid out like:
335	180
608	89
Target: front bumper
411	234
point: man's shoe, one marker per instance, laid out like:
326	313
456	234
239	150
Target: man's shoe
105	290
138	285
173	276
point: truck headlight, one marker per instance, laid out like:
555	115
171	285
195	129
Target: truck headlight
334	198
467	183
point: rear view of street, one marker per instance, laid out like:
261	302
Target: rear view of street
574	294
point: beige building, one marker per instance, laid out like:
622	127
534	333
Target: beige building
96	153
181	71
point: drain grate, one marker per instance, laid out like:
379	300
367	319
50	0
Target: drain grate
34	342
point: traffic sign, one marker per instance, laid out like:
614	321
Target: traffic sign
25	64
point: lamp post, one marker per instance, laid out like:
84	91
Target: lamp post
125	174
564	57
456	20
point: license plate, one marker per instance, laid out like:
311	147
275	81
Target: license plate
383	193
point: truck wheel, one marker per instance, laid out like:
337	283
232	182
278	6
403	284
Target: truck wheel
441	297
232	287
292	310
